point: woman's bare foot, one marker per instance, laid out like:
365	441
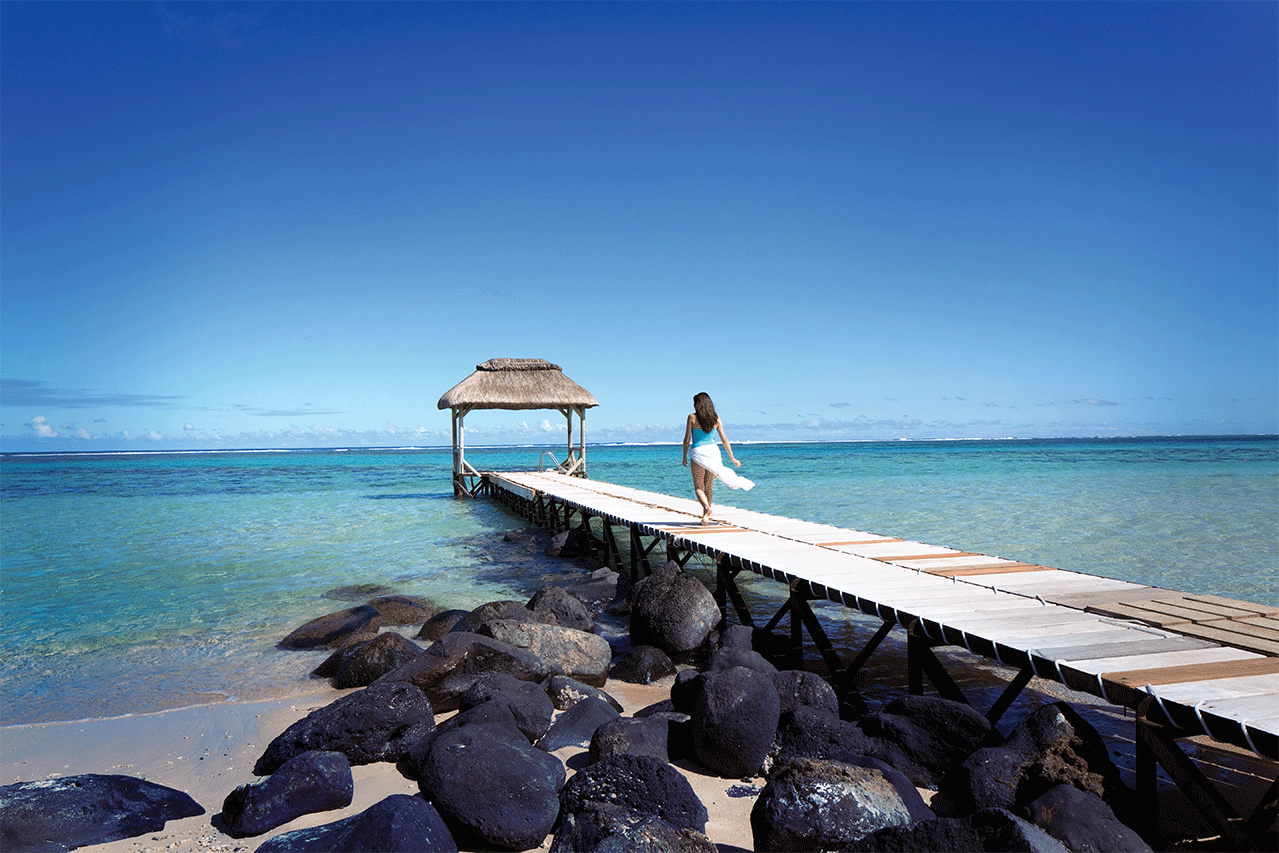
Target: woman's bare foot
706	518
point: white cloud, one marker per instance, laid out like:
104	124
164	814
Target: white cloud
153	435
41	427
189	427
546	425
81	432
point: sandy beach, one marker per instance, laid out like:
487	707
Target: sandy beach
209	750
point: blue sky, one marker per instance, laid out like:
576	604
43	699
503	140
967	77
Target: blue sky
297	224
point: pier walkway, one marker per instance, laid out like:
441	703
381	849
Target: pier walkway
1188	665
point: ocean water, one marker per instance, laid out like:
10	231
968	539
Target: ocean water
137	582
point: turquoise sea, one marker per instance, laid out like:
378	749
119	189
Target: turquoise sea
137	582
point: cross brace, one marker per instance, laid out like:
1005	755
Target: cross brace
1157	744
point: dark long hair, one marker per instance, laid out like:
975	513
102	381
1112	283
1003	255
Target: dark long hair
705	411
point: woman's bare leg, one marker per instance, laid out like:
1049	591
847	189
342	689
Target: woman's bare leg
704	486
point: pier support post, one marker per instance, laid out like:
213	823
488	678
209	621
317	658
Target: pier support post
1156	744
639	554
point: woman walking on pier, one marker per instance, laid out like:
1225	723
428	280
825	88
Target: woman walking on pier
699	432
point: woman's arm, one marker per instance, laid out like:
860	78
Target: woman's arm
727	447
688	437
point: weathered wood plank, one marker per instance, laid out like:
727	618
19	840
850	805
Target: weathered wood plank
1251	606
1220	611
1196	672
1124	610
967	571
1245	627
1231	638
1207	653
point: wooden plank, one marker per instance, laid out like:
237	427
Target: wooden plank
1084	600
1261	622
1251	606
1220	611
1256	708
929	557
1134	646
967	571
1221	689
1208	653
1245	627
1231	638
694	527
880	541
1166	607
1195	672
1127	611
1057	582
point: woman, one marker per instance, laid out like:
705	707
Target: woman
700	431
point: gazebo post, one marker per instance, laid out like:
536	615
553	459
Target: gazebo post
568	419
459	451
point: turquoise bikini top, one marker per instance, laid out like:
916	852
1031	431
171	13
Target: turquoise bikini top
700	438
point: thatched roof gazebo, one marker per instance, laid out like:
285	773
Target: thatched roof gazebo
516	383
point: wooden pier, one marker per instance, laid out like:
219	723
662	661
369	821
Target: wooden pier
1188	665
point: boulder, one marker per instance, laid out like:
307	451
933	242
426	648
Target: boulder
512	611
686	690
812	733
362	664
796	687
329	630
492	792
672	610
496	714
567	610
307	783
906	789
738	637
494	717
566	692
357	591
643	783
820	805
530	707
455	661
404	609
399	822
643	665
931	732
632	736
1083	822
734	721
727	658
75	811
574	542
379	723
1053	746
616	829
566	651
577	725
989	830
333	662
440	624
598	590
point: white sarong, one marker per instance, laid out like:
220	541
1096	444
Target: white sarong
708	456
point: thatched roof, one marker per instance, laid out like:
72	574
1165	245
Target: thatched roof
517	383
